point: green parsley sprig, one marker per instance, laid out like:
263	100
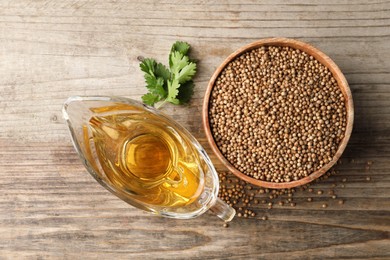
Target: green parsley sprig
174	85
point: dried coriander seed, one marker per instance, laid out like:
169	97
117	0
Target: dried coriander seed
240	196
276	101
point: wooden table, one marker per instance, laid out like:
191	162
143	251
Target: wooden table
50	207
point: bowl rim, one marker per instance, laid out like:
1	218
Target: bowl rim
323	59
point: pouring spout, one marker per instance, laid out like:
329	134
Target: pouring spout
77	113
80	109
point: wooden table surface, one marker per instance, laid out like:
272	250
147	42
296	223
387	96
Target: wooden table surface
50	207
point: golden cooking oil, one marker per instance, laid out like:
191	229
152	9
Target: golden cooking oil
143	155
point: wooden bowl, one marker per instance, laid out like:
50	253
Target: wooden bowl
322	58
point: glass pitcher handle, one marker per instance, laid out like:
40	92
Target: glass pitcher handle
223	210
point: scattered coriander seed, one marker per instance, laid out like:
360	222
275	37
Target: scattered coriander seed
264	218
225	225
344	180
238	195
368	178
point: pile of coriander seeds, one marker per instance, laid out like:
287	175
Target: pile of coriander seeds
277	114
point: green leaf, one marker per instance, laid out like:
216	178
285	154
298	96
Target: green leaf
155	85
186	73
148	66
181	47
177	62
186	91
175	58
173	91
159	89
150	99
150	80
173	84
181	68
162	71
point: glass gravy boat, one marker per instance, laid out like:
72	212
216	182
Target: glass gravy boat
144	157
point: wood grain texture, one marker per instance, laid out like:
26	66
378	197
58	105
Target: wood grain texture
50	208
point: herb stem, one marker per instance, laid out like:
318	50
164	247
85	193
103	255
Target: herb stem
159	105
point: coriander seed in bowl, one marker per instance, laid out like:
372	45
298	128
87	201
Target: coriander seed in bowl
278	113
